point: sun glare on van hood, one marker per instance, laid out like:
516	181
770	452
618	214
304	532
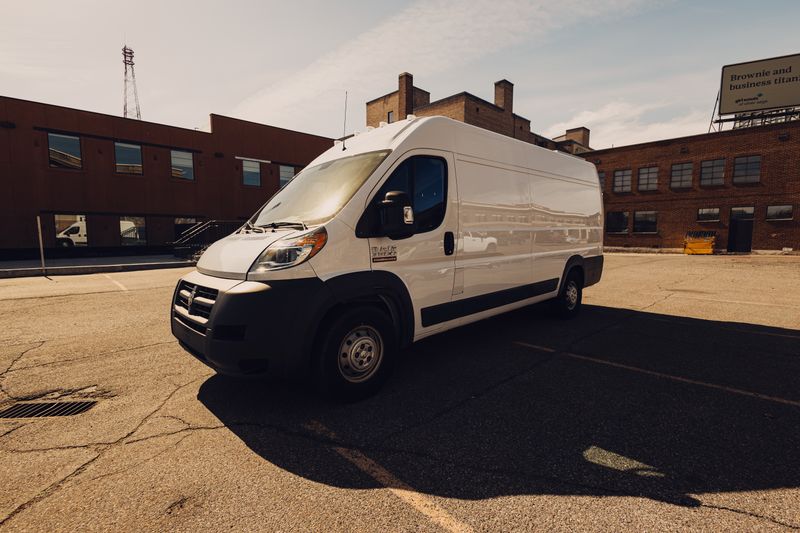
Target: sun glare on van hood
232	256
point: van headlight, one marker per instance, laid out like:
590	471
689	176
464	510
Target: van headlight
287	253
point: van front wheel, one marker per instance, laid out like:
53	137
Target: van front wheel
356	354
568	302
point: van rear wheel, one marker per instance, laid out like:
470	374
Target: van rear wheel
356	354
568	302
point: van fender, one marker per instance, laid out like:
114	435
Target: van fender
572	262
378	287
591	267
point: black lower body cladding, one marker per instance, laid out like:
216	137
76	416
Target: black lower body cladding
592	270
267	330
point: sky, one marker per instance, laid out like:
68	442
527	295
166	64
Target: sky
630	70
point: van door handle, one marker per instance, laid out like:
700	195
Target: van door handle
449	243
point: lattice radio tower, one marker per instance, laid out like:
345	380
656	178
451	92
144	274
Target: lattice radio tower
130	84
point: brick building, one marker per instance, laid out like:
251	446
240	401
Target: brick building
742	184
100	182
465	107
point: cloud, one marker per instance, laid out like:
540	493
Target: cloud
428	37
622	123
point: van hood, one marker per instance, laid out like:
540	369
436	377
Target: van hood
232	256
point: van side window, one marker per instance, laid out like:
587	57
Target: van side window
424	179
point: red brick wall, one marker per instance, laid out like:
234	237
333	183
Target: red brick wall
31	187
677	209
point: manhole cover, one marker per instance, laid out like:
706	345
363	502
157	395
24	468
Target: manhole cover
39	409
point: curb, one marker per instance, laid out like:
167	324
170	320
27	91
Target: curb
89	269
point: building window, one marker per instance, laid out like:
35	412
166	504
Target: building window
287	173
622	180
779	212
747	169
390	117
251	173
617	222
182	165
708	214
645	222
742	213
128	158
648	179
601	176
681	176
132	231
71	231
712	172
64	151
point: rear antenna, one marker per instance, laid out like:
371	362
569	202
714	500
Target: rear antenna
344	127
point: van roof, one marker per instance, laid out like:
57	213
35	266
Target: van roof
442	133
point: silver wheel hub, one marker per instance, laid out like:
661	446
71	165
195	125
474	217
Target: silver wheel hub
360	354
571	295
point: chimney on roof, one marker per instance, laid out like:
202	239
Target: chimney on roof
405	95
579	135
504	95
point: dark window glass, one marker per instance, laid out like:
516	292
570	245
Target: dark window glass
681	177
779	212
745	213
183	224
602	177
424	179
645	222
71	230
132	231
617	222
251	173
182	165
648	179
622	180
128	158
708	214
64	151
390	117
286	173
712	172
747	169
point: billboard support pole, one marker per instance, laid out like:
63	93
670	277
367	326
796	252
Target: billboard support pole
713	113
41	244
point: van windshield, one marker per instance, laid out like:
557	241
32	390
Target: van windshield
317	193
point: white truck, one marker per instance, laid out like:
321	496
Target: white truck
401	232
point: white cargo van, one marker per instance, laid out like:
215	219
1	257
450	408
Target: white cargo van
402	232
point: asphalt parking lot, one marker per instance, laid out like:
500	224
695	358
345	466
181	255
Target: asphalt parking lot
672	402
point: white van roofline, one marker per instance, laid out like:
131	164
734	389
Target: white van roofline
442	133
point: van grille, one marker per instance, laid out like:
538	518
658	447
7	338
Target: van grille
193	304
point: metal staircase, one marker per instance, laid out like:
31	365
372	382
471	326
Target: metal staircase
192	242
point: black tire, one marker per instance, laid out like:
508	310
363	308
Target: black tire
65	243
356	354
568	302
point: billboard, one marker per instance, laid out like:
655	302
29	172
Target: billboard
760	85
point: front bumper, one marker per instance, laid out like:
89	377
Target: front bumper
248	328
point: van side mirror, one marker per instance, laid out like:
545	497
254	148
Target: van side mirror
397	215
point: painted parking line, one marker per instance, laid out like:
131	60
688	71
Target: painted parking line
421	502
117	283
670	377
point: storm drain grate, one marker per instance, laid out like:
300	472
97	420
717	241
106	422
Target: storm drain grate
39	409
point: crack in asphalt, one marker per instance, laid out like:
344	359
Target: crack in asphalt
100	451
750	513
14	361
112	352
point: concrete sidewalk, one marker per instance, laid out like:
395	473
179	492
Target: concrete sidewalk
89	265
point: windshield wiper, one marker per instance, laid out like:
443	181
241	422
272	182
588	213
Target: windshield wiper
250	227
283	224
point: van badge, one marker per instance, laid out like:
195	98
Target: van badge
192	294
382	254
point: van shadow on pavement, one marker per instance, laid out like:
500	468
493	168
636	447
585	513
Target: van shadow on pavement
472	414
